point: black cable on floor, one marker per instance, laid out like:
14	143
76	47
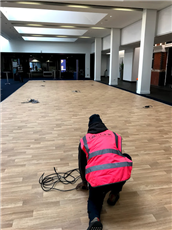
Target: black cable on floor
33	101
48	183
147	106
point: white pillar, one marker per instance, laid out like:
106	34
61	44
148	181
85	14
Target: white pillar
114	56
128	65
97	62
146	51
87	65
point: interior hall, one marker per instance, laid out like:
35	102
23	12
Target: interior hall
61	62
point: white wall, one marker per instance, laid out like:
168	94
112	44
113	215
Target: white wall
106	43
128	63
4	43
164	21
136	64
131	33
46	47
50	47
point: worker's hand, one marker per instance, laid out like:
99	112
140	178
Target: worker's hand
82	185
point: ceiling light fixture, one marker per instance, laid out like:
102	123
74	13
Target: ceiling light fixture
123	9
78	6
50	31
41	16
29	3
34	60
84	37
68	26
34	25
98	28
49	39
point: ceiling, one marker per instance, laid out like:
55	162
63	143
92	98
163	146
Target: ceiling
70	21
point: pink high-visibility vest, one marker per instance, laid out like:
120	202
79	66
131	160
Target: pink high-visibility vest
105	162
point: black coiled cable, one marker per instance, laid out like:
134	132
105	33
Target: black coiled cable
48	183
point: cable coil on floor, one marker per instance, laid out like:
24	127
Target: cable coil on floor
48	182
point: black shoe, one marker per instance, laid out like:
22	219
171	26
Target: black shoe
112	199
95	224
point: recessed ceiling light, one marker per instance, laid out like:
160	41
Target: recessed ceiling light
49	39
68	26
84	37
34	25
50	31
98	28
123	9
51	16
31	3
110	16
78	6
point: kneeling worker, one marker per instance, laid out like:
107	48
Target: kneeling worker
103	166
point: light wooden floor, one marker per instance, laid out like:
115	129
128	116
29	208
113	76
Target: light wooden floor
37	137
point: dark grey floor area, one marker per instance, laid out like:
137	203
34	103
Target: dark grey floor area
159	93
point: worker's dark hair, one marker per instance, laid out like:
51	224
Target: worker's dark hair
95	118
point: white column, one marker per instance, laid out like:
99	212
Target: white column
97	62
128	65
87	65
146	51
114	56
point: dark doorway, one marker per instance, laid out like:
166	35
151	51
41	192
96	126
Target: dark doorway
40	65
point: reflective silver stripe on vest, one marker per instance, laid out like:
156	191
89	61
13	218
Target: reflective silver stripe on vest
104	151
116	140
86	144
107	166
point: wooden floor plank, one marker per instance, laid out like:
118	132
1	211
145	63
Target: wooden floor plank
37	137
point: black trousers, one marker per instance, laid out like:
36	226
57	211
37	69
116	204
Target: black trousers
97	195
